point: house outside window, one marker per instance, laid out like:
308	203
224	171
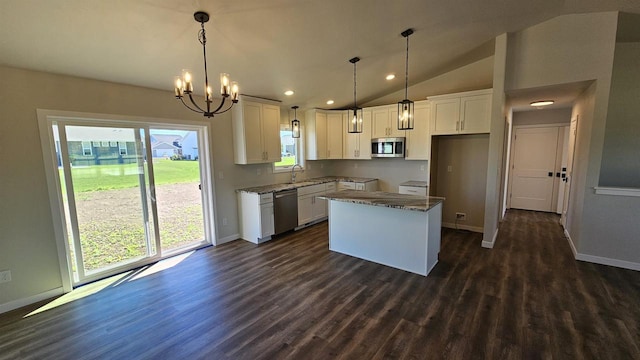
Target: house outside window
290	150
122	148
86	148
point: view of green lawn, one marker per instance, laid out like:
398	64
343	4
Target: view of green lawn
287	161
110	177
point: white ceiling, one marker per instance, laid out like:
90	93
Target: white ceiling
268	46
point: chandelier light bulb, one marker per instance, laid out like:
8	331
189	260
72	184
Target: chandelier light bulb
234	91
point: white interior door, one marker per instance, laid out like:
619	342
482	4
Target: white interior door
569	169
533	168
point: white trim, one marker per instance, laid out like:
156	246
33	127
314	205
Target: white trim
490	244
477	229
459	94
617	191
599	259
607	261
16	304
573	247
227	239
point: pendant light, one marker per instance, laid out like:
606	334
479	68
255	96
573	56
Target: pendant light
405	107
295	123
355	124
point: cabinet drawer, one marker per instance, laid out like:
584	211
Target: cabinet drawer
266	198
413	190
310	189
344	185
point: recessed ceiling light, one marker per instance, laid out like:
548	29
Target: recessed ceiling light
288	92
329	102
390	77
542	103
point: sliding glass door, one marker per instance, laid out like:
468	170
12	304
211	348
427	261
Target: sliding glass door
131	194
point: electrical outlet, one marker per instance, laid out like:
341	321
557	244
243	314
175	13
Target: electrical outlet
259	171
449	168
5	276
224	221
461	216
220	175
421	167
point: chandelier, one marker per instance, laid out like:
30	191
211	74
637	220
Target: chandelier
184	85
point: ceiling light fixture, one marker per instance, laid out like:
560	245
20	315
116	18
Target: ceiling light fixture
289	92
390	77
405	107
540	103
329	102
355	126
295	123
184	86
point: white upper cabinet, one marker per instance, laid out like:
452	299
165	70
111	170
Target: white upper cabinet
357	146
418	145
256	131
461	113
334	134
384	121
323	134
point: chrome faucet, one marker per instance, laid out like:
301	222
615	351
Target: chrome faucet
293	173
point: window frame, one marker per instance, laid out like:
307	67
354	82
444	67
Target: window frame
298	148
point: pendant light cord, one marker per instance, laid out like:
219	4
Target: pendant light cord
355	103
406	72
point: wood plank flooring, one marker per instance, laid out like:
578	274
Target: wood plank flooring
293	299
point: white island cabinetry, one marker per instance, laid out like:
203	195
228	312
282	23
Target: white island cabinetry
401	231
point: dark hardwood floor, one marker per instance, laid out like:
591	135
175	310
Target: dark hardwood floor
291	298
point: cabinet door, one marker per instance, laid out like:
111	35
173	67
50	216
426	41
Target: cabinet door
305	209
321	135
419	139
266	220
380	123
475	114
445	116
364	141
334	135
251	117
319	207
271	132
351	140
393	123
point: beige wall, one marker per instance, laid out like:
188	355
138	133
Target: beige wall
465	185
621	155
542	117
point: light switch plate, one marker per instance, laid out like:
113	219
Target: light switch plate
5	276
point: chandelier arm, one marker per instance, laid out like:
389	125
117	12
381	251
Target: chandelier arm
225	110
194	104
221	104
189	107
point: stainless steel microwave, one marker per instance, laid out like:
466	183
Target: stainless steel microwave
387	147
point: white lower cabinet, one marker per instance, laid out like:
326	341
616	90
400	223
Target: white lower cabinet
256	216
310	207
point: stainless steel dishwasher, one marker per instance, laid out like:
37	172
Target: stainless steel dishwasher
285	210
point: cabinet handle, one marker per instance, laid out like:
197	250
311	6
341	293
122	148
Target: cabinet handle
328	153
461	125
457	125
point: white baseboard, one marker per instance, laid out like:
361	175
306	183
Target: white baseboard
227	239
599	259
477	229
12	305
489	244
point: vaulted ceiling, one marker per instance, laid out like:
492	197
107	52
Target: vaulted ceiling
269	46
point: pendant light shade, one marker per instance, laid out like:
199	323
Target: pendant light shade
405	107
355	121
295	123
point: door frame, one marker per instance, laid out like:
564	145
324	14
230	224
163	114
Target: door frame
45	121
556	180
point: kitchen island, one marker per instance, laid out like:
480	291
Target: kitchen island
397	230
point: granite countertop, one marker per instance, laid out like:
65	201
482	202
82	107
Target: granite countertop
385	199
415	183
265	189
